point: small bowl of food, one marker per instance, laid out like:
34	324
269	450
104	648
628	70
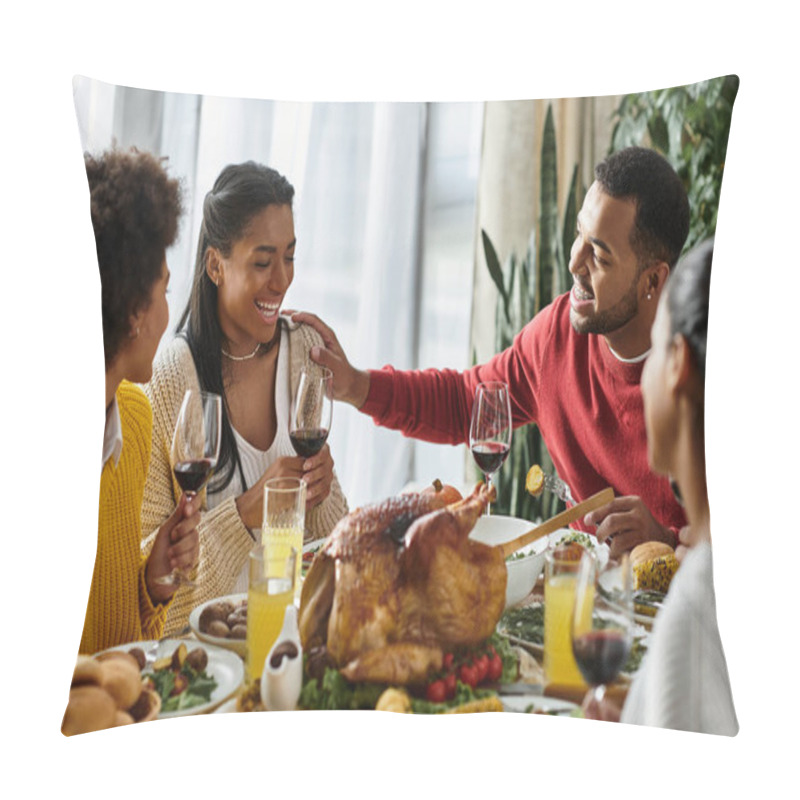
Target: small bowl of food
222	622
525	566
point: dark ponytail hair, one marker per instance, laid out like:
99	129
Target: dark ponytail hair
688	292
240	192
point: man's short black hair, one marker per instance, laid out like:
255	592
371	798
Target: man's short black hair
662	207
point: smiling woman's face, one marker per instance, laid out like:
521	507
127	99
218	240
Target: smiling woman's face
254	278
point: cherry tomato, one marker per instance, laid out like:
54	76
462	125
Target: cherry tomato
450	685
495	668
482	667
436	692
447	662
468	675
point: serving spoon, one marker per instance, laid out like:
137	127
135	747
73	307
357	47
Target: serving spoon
561	520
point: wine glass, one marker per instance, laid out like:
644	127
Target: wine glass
602	621
194	452
312	409
490	429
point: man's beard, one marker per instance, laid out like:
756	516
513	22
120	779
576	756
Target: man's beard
612	319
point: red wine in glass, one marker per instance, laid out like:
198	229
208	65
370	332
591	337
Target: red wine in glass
601	654
602	621
312	409
490	428
194	453
192	476
489	456
309	442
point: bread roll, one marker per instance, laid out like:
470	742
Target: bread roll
649	550
90	708
123	718
114	655
87	672
123	682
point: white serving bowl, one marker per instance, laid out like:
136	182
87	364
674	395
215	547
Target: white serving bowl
522	572
236	645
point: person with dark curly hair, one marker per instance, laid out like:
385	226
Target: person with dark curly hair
574	369
135	209
233	341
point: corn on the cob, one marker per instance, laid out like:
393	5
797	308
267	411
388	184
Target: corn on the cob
394	700
655	574
492	703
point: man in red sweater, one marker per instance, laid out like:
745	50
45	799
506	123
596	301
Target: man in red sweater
574	369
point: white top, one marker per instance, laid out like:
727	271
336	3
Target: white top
254	461
683	681
112	434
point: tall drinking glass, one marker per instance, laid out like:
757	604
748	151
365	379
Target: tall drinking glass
312	410
562	566
194	452
270	591
602	643
284	519
490	428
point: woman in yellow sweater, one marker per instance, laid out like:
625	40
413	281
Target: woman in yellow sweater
135	210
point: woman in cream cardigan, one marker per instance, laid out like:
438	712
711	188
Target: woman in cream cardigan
233	341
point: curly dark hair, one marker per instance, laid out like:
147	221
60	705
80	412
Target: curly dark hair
135	211
688	292
661	225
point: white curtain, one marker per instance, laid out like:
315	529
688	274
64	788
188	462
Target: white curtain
384	214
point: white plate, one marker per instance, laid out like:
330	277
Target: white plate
537	703
227	707
223	665
238	646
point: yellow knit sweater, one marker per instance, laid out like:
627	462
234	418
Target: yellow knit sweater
120	609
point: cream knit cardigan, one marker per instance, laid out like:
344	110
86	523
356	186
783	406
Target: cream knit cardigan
225	541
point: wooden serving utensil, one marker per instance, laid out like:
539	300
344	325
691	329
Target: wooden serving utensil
558	521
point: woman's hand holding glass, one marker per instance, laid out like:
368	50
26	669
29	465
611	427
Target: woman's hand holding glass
316	471
176	547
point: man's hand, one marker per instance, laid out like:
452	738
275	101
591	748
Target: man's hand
625	522
349	384
176	546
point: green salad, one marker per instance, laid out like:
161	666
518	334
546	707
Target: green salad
183	688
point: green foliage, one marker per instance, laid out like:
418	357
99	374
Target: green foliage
689	126
523	290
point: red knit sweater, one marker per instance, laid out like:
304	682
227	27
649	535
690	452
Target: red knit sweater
587	403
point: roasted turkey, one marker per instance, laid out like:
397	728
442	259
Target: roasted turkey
398	583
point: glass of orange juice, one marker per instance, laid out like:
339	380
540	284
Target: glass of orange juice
561	575
284	520
270	591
